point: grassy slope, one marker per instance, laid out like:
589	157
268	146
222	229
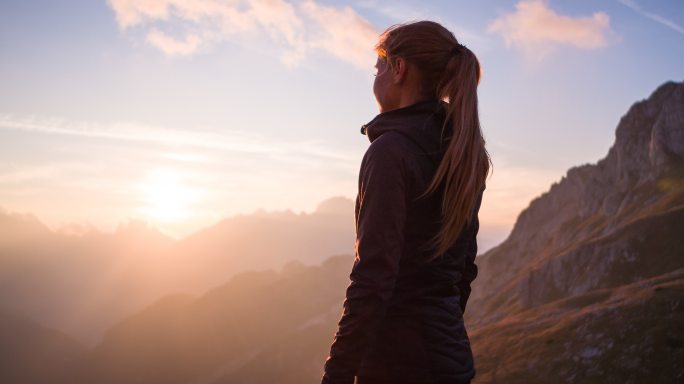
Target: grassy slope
630	334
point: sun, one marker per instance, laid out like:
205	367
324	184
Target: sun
165	198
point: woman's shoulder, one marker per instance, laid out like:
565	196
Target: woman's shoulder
386	157
389	144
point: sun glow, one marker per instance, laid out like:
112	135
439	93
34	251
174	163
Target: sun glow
165	198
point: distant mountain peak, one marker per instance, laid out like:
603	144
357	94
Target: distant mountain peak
335	205
649	139
649	145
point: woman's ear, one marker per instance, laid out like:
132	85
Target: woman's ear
399	70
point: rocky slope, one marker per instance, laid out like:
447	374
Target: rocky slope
602	225
629	334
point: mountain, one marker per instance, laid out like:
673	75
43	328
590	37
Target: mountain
84	281
265	240
31	353
588	285
628	334
217	336
79	284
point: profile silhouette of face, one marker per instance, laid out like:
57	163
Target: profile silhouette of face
383	86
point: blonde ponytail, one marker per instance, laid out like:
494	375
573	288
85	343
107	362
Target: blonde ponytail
451	72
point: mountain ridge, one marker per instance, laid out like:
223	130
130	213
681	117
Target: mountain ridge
83	281
594	199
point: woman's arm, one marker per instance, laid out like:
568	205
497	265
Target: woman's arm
380	218
470	270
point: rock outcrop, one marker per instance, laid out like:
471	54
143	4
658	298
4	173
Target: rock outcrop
602	225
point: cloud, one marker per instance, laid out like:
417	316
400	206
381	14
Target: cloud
184	27
538	30
655	17
172	46
341	32
236	142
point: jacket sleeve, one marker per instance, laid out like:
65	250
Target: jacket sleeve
380	217
470	270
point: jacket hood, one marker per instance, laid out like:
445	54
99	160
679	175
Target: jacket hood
421	123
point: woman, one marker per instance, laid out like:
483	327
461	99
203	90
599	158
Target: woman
420	188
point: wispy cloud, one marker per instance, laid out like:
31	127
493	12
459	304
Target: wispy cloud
221	140
172	46
653	16
180	27
538	30
341	32
24	175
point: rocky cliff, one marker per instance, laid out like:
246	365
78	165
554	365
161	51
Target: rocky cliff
588	286
597	227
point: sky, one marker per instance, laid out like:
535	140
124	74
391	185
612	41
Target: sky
180	113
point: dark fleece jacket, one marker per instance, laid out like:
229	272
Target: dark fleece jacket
403	316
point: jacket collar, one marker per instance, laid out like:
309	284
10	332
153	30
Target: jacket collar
421	122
